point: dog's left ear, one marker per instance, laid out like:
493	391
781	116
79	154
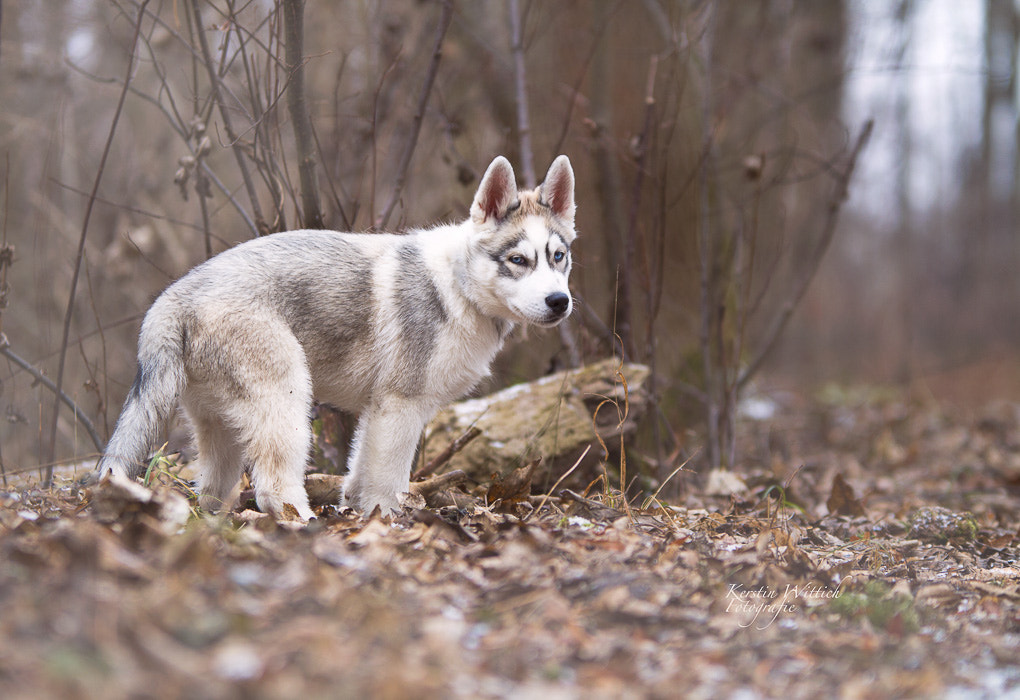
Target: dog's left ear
557	190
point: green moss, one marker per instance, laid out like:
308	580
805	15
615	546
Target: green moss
883	607
941	525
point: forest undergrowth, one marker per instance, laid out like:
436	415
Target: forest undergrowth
873	553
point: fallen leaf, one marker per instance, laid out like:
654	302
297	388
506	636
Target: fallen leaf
515	486
842	500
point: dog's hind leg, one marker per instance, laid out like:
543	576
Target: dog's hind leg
249	397
273	425
278	453
219	459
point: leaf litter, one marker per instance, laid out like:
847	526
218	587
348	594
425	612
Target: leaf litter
873	554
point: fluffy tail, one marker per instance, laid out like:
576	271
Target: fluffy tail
153	395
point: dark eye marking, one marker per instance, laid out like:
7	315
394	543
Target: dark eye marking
500	254
562	248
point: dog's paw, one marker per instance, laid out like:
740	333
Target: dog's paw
387	505
284	509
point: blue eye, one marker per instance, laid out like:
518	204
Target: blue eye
559	255
517	260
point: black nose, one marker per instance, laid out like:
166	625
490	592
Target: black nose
557	302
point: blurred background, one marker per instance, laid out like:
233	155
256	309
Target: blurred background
742	225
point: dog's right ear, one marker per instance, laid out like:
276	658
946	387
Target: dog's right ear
557	190
497	193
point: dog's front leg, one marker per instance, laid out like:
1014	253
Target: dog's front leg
382	452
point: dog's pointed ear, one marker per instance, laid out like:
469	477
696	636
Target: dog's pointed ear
497	193
557	189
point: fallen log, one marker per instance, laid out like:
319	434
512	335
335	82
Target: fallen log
555	418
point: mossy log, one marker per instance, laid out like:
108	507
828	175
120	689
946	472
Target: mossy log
555	418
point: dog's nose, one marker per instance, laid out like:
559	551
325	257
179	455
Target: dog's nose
557	302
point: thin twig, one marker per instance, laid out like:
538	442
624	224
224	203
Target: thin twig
654	497
181	130
76	461
706	253
262	153
103	394
423	100
344	221
200	177
559	481
6	258
6	251
575	92
181	126
598	327
631	240
443	457
745	245
51	445
609	179
214	86
251	223
374	155
839	196
90	428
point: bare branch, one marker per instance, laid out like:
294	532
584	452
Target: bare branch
443	457
293	23
261	152
444	482
423	100
630	242
839	196
705	258
521	90
345	222
608	178
575	91
214	86
51	445
90	428
180	130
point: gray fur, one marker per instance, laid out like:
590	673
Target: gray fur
419	310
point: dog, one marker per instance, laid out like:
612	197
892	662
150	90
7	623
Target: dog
391	326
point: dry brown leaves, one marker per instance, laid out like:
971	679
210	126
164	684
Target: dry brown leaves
826	587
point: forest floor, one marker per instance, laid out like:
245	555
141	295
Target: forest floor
873	554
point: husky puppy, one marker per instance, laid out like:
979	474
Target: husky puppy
389	326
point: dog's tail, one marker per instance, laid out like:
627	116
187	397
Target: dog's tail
158	384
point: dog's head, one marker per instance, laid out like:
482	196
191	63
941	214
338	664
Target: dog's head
520	247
